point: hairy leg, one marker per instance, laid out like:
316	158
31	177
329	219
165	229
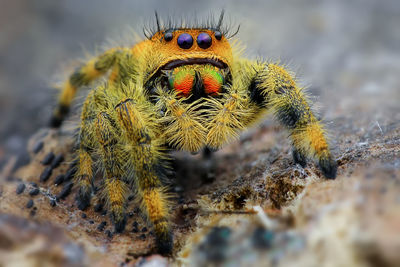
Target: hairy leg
82	76
145	156
184	129
292	109
114	188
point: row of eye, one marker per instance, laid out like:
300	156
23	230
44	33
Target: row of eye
185	40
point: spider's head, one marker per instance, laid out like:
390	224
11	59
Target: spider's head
191	61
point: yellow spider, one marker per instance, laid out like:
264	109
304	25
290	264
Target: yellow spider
185	88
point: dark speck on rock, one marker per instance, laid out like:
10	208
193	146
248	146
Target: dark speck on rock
57	160
98	207
37	147
48	158
29	204
109	233
20	189
34	191
83	215
59	179
46	174
53	203
65	191
91	222
69	174
101	226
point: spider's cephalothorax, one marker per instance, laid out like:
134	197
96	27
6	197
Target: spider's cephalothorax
182	88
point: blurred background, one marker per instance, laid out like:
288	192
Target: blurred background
343	49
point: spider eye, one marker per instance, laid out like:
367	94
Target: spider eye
168	36
204	40
218	35
185	41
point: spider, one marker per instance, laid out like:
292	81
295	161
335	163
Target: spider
184	88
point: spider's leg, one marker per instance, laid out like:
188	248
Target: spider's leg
184	127
292	109
82	76
84	175
115	189
146	158
233	112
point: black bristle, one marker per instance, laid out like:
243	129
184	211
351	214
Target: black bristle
192	22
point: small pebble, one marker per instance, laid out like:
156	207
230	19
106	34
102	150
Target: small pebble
53	203
29	204
65	191
144	229
37	147
69	174
135	224
98	207
34	192
131	197
57	160
59	179
48	158
109	233
130	214
104	213
32	213
142	236
20	189
33	184
83	215
91	222
101	226
46	174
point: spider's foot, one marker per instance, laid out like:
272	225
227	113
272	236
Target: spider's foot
299	158
83	199
328	167
119	221
165	243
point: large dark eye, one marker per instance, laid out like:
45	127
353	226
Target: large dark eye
204	40
168	36
185	41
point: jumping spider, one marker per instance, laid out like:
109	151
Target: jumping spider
184	88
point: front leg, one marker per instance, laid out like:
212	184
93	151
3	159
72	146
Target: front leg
280	92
